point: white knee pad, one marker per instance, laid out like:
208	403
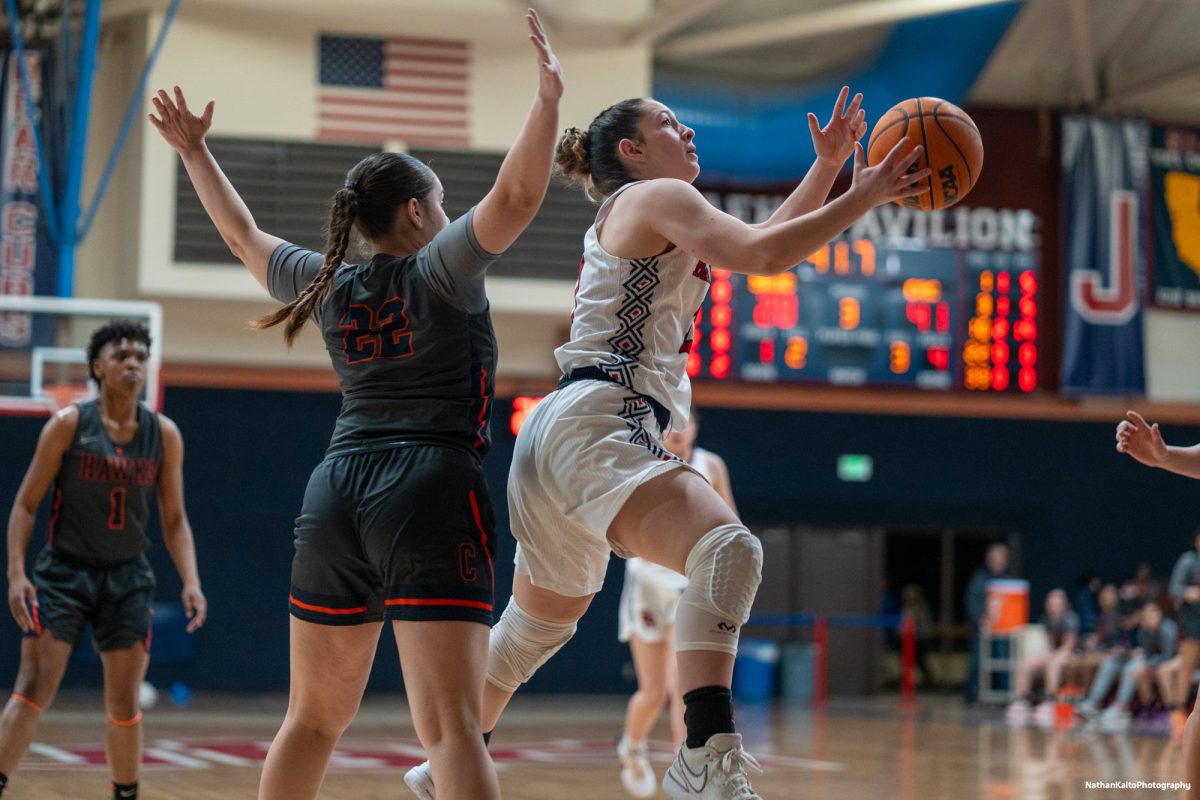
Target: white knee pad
723	571
519	644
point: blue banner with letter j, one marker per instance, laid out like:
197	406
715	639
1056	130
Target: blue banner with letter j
1105	181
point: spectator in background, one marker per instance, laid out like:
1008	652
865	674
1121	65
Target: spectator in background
1083	600
914	606
995	566
1109	637
1155	644
1142	588
1062	632
1184	588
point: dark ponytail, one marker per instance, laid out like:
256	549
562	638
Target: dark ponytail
376	189
591	158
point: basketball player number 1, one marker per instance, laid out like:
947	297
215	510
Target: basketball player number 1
116	509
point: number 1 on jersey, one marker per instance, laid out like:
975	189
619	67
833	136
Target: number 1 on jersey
116	509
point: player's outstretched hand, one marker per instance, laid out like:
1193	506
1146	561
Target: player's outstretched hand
835	142
1141	440
550	76
182	129
195	606
890	179
21	598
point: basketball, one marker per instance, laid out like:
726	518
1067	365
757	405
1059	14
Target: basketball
953	148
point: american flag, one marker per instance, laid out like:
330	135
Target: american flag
375	90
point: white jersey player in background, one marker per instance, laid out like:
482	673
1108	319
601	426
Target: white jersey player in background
647	622
590	474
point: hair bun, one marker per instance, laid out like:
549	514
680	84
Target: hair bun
571	157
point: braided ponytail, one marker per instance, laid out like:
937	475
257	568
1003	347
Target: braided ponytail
375	190
337	239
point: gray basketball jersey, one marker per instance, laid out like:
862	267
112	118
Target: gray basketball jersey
411	340
103	491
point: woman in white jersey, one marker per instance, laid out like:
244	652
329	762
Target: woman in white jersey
647	622
590	474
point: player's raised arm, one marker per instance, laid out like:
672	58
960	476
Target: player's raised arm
53	442
676	211
185	132
1144	442
521	184
832	144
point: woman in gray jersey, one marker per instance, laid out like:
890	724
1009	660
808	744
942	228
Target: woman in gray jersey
107	458
396	523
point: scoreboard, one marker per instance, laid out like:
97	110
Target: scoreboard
959	311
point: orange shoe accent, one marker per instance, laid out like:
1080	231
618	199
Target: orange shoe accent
23	699
1179	719
125	723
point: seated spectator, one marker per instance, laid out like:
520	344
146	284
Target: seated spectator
1108	637
1062	631
1083	601
1142	588
1155	644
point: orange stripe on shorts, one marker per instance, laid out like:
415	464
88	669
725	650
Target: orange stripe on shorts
325	610
413	601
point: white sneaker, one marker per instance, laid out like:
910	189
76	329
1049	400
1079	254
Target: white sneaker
420	780
1087	709
1017	712
1045	715
1114	719
716	771
637	776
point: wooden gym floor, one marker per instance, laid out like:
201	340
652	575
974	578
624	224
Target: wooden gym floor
554	747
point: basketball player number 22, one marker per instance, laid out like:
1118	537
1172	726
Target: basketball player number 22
376	333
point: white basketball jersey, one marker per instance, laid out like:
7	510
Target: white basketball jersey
633	319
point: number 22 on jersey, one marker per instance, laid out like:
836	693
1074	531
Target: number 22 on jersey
376	333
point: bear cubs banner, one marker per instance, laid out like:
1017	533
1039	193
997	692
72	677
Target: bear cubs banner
1105	177
1175	211
27	258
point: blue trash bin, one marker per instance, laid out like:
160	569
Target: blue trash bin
755	670
797	670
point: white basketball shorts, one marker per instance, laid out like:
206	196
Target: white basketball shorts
579	456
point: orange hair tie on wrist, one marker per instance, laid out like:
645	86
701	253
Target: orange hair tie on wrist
125	723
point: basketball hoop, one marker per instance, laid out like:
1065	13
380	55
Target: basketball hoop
61	395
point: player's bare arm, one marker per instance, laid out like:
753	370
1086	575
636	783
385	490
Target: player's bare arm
177	531
521	184
1144	442
833	143
185	132
668	210
53	442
